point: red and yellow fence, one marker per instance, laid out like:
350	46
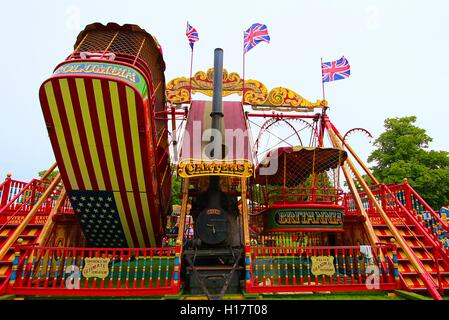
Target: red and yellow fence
94	271
314	269
17	197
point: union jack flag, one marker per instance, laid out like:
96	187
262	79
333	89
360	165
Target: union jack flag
335	70
192	35
256	33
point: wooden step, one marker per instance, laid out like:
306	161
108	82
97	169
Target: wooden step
429	248
24	236
419	236
397	226
15	225
421	259
409	273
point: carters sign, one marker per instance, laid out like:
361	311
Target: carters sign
194	169
305	218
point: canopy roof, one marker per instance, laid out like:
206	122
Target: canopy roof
237	156
119	43
297	163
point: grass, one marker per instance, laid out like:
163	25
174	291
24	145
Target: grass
378	295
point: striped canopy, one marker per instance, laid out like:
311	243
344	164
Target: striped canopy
236	160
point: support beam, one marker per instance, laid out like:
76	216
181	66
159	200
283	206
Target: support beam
245	218
183	213
346	171
354	154
48	227
49	171
417	264
367	223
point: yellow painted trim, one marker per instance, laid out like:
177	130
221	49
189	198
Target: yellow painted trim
147	217
89	132
135	217
132	113
105	133
124	222
74	131
119	134
60	134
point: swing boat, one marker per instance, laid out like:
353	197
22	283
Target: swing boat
302	196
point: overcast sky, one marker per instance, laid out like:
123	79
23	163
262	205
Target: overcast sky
398	51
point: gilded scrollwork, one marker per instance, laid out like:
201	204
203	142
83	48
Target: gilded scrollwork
255	92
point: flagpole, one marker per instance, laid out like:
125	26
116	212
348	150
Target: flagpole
190	78
322	82
191	66
243	78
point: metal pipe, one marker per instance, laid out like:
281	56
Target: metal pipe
217	98
217	111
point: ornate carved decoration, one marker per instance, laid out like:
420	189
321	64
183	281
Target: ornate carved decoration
256	93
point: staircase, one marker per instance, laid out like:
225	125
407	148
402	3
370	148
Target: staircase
28	236
423	251
421	229
17	199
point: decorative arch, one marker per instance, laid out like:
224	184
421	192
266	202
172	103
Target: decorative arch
256	93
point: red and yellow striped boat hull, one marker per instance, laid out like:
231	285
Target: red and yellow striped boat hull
103	136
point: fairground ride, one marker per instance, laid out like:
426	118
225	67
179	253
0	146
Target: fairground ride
260	220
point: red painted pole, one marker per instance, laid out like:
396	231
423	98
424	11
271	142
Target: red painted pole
159	269
142	281
119	275
5	192
286	265
337	265
408	196
150	281
308	266
316	276
270	250
48	267
359	271
167	260
293	266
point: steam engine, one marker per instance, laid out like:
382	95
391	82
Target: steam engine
214	261
216	218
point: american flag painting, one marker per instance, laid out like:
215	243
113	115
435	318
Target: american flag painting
192	35
255	34
99	217
335	70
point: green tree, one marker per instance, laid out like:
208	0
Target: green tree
51	176
402	152
175	189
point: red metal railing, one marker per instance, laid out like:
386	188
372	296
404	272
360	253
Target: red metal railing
398	202
299	269
304	195
94	271
12	189
19	197
415	204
